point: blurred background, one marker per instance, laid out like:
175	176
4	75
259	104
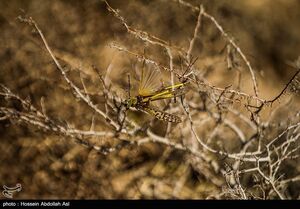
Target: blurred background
49	166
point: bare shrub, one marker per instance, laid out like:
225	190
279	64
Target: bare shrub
242	144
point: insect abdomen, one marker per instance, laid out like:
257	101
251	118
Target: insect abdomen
164	116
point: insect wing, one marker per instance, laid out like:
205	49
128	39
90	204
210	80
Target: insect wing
149	81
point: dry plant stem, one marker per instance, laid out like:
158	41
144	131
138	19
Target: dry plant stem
270	180
285	88
7	94
205	86
52	126
244	156
39	120
85	98
143	58
169	142
230	40
142	34
171	65
172	83
192	42
282	152
32	116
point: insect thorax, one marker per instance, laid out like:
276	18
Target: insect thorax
136	102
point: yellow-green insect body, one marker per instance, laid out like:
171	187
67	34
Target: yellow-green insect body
142	103
150	90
